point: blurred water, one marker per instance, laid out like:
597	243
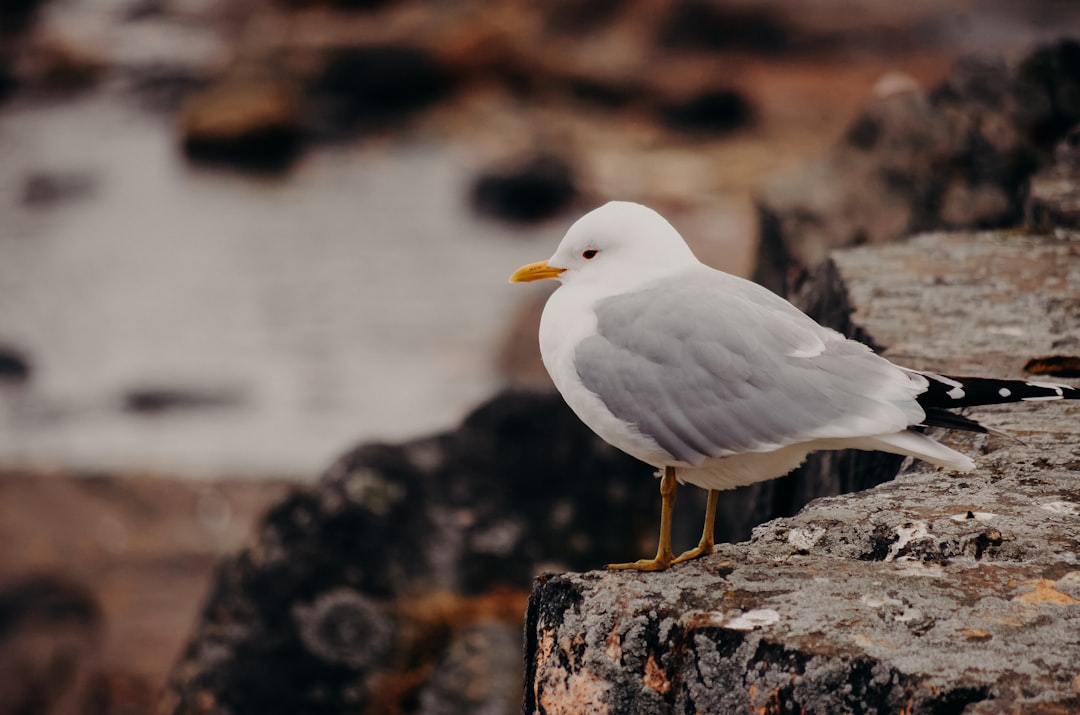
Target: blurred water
356	299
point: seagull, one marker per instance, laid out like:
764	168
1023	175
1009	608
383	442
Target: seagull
717	381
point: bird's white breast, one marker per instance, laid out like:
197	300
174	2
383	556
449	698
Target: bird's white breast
569	317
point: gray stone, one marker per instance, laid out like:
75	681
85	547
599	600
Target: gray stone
936	592
958	156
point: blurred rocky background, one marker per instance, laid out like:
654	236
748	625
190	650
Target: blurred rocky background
240	238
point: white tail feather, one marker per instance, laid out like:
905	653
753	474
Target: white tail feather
915	444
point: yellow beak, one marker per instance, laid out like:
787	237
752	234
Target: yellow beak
535	272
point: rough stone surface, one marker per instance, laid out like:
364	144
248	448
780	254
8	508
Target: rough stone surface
959	156
933	593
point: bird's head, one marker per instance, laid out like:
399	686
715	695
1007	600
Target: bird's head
620	245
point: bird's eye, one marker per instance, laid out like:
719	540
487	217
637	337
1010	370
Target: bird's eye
589	254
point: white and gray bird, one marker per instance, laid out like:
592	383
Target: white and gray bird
716	380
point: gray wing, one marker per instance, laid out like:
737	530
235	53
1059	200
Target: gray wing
709	365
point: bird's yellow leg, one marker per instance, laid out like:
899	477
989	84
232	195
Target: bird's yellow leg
708	534
664	555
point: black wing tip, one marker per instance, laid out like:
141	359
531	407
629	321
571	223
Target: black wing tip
949	391
940	417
